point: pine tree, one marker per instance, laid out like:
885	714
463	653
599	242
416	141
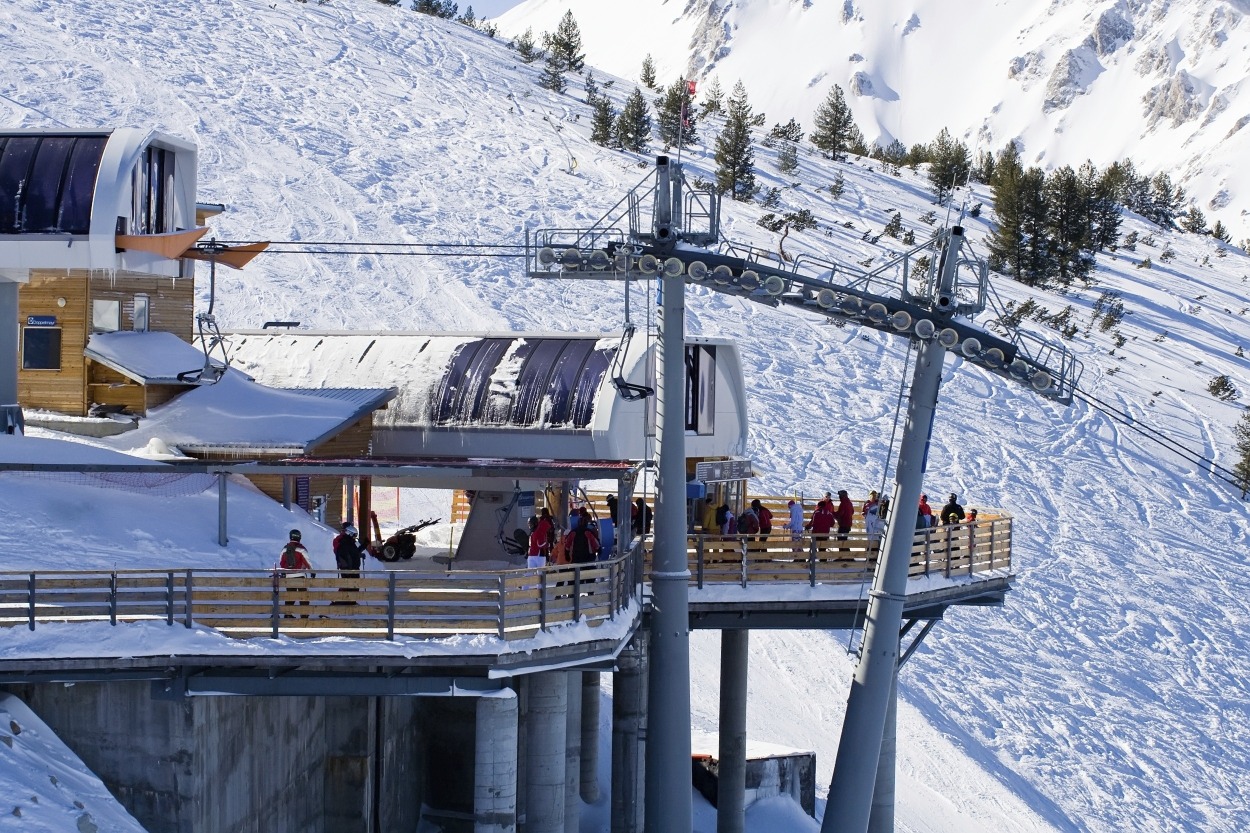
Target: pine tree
1220	233
633	125
1165	201
1242	449
566	44
468	18
833	120
894	228
647	76
1068	226
791	131
948	167
787	157
1195	221
983	168
1006	241
527	47
714	98
675	116
1037	264
1104	210
591	87
735	157
602	122
552	77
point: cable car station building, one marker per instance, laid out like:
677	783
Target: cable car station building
472	701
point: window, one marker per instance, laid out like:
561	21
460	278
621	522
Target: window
700	387
41	348
139	319
106	315
152	185
47	183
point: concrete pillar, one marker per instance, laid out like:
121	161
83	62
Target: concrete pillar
573	754
882	818
629	733
544	764
10	411
349	738
590	737
732	774
495	764
222	480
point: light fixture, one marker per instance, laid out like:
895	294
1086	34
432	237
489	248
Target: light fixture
948	338
749	280
994	357
722	274
60	302
971	347
599	259
901	321
648	264
1041	381
570	259
774	285
877	313
925	329
546	256
826	299
697	270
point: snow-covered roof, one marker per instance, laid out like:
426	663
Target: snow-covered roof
149	358
238	415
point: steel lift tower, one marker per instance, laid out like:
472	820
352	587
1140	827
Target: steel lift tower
928	301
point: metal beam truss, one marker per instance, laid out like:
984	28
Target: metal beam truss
900	297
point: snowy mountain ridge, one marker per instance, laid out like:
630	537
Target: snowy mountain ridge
1163	82
1110	693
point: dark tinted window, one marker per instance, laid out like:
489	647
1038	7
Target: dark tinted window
532	383
465	386
563	385
41	348
46	183
582	408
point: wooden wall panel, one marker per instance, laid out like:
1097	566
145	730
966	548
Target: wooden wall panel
171	301
352	441
64	390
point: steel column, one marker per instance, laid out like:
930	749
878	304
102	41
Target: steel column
732	774
668	799
849	805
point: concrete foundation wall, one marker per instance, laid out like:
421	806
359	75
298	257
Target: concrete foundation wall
244	764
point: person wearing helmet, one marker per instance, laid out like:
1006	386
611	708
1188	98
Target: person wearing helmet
294	562
348	555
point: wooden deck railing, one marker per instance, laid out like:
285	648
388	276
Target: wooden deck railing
959	549
510	604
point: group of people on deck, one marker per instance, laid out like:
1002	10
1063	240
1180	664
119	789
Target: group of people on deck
587	539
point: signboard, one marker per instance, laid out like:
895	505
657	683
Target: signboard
719	471
41	321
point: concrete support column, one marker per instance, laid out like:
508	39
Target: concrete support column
882	818
222	480
573	754
544	756
629	711
10	411
590	737
495	764
349	789
732	775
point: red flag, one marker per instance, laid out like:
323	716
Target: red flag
690	87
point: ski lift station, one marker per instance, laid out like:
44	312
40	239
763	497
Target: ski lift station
461	692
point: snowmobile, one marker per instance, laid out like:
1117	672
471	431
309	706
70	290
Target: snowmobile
401	545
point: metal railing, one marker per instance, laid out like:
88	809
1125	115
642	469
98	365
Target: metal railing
509	604
945	551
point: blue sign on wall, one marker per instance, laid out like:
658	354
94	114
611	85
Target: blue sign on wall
41	321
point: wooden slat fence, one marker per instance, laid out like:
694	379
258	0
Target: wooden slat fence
956	550
510	604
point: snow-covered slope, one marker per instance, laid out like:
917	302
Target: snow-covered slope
1161	81
1109	694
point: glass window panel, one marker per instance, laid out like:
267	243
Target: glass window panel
19	152
447	395
532	381
582	408
41	348
42	195
139	320
84	166
477	381
500	396
564	379
106	315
